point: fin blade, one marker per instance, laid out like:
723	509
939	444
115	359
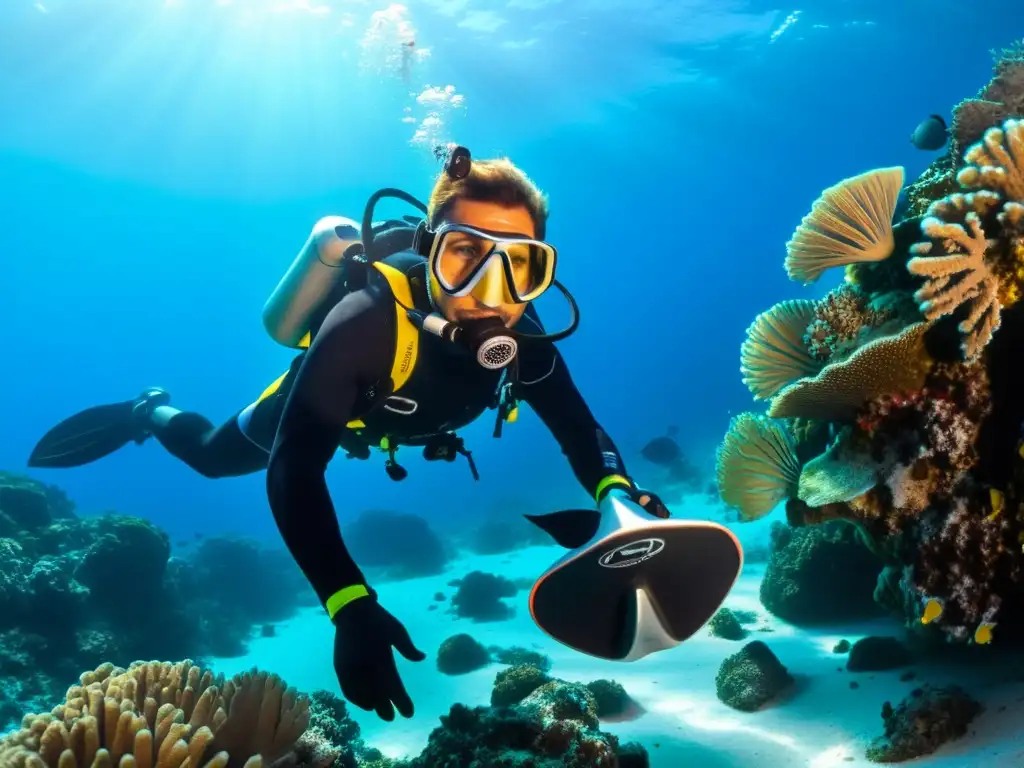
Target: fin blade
570	528
85	437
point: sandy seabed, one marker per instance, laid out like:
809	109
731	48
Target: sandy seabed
820	722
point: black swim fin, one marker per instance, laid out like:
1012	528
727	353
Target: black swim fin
94	433
570	528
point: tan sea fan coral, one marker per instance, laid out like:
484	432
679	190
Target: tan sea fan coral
757	465
159	715
850	222
961	276
895	363
774	354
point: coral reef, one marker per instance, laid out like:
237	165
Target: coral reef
877	654
894	402
333	739
514	684
924	721
725	625
162	714
554	726
516	655
751	678
819	575
397	545
479	597
461	654
498	534
75	592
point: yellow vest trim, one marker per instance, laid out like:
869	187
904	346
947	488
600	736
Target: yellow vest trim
608	482
407	341
343	597
271	389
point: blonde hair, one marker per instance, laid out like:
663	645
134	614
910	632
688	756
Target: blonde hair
496	181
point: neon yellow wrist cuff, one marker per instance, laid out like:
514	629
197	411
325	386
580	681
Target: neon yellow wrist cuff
609	482
343	597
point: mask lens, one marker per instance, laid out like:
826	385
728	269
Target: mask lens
460	255
532	265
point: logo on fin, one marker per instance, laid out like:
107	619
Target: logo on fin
633	553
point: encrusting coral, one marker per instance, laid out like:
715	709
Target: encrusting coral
879	407
160	715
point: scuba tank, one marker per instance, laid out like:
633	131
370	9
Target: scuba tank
314	274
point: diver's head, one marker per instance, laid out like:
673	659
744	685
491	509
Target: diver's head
489	258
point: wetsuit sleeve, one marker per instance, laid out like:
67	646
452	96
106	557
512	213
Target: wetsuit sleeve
351	351
547	386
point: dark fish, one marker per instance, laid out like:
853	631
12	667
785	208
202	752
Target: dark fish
663	451
931	134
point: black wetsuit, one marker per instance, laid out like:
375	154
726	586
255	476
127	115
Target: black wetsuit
296	431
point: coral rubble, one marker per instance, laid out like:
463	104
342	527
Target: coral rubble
894	402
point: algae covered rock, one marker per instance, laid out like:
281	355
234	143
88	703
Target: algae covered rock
751	678
878	654
514	684
554	727
517	655
725	625
610	698
820	574
923	722
461	654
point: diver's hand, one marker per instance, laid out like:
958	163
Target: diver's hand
364	662
651	503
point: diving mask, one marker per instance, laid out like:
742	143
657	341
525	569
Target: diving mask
493	267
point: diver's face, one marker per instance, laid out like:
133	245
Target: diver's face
497	218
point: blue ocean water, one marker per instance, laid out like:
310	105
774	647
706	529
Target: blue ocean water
162	161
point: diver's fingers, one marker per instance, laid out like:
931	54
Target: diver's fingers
382	701
403	644
403	702
399	695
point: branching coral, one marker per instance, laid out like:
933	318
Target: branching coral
850	222
158	715
756	465
894	363
774	354
960	277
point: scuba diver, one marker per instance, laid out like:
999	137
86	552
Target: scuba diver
407	331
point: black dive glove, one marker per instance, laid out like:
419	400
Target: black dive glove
364	662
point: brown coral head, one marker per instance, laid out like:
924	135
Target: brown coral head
851	222
899	362
774	354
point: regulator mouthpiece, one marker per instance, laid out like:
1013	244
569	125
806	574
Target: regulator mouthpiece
489	341
486	338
